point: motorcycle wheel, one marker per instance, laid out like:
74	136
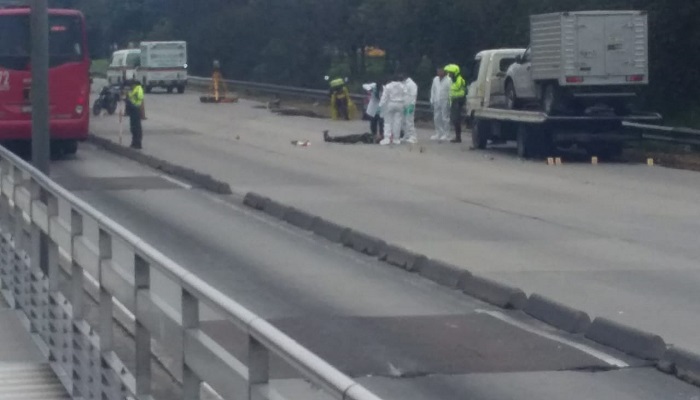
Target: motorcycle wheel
96	108
112	107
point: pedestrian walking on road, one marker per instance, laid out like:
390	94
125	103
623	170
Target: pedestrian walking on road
457	98
376	123
392	105
409	119
134	107
440	103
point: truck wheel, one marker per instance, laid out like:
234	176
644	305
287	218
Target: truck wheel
551	99
532	143
511	97
181	89
170	89
480	134
609	151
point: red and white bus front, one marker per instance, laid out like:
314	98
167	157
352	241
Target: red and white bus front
69	80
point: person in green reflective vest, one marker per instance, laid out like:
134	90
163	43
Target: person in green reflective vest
134	104
457	98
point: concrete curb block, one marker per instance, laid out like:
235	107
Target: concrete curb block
256	201
556	314
400	257
682	363
300	218
626	339
275	209
364	243
198	179
443	273
495	293
329	230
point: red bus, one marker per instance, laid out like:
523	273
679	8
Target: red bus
69	78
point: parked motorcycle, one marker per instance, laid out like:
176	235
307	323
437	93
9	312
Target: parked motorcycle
108	100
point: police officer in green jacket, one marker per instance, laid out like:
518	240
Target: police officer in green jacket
457	98
134	101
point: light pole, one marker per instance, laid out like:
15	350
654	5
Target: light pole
39	97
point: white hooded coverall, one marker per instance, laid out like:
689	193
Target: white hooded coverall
392	108
440	101
409	121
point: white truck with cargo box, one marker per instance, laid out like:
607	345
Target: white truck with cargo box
163	65
579	73
583	59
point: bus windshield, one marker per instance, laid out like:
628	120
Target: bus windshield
65	41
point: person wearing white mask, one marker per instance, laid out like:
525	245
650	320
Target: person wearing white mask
440	102
392	105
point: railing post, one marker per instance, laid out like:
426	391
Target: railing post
106	304
77	278
258	365
142	282
190	320
53	256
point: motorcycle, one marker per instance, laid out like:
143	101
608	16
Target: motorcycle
108	100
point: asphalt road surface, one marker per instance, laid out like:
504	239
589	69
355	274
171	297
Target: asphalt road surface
614	240
402	336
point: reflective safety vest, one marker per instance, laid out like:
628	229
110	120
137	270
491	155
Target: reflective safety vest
136	96
458	88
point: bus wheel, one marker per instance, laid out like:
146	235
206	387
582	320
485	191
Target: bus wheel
70	147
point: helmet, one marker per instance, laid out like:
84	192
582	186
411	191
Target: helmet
452	69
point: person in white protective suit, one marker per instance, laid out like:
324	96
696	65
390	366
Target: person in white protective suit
391	106
409	119
440	102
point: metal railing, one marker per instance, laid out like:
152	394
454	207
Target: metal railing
48	235
659	133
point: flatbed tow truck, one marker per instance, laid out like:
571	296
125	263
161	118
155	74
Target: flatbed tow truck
539	135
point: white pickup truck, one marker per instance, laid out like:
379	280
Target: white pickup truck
581	62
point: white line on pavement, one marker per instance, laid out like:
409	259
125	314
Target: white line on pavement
582	347
177	182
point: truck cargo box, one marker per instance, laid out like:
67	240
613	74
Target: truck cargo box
590	48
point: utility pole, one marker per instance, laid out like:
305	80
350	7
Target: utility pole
41	140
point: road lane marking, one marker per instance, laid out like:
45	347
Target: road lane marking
177	182
616	362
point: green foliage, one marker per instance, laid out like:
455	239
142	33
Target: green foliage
298	42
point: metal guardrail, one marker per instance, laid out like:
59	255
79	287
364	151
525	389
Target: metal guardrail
47	234
667	134
422	107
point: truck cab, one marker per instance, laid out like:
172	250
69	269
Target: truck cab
487	79
123	66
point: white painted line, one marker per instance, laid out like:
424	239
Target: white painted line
177	182
582	347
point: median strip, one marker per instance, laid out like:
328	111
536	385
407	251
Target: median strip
628	340
198	179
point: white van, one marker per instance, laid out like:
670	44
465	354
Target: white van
487	79
123	66
164	65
